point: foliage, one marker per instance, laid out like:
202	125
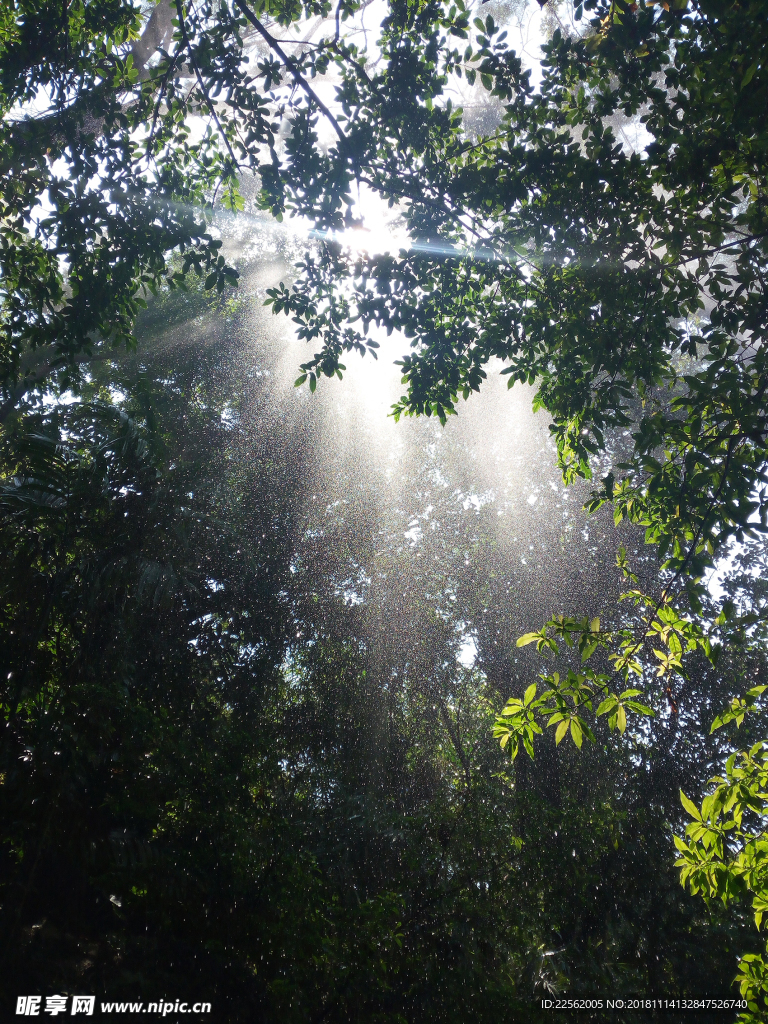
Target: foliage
596	272
221	778
627	285
726	855
566	702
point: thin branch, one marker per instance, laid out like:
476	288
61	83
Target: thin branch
293	68
208	100
703	253
160	94
359	67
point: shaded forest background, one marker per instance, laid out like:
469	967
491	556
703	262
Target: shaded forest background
255	643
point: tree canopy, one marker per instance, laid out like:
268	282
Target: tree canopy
223	779
597	272
626	283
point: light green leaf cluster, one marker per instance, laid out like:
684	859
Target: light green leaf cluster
564	706
663	632
725	851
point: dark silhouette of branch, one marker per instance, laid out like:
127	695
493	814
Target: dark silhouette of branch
704	253
59	128
293	68
43	370
208	100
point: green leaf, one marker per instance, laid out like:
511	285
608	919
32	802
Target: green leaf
607	705
640	709
690	806
589	650
749	75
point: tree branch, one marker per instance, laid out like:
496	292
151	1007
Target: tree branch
293	68
704	253
155	36
208	100
31	136
41	371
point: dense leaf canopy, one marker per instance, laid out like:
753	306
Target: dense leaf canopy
626	283
598	272
222	780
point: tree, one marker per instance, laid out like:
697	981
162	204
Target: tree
628	285
596	272
225	775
